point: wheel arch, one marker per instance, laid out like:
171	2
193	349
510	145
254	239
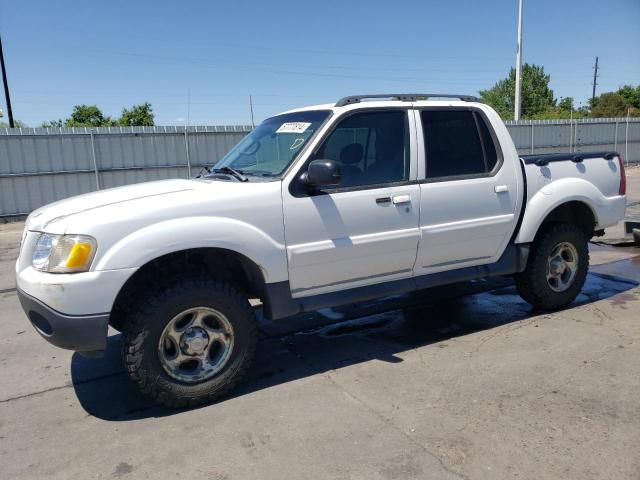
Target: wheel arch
573	212
215	262
543	211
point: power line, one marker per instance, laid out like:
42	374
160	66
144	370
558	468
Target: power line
207	62
433	73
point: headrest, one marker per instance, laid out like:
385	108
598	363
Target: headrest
351	154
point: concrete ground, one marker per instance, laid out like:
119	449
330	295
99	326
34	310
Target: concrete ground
428	386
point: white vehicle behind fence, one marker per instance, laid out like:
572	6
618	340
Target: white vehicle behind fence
317	207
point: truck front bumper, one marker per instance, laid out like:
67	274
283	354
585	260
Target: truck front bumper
82	333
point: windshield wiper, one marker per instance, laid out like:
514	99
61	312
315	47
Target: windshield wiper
233	172
260	173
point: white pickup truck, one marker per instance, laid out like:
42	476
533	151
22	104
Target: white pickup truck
316	207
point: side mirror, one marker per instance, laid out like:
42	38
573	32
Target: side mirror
322	173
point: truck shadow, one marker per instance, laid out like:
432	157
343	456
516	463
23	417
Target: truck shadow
330	339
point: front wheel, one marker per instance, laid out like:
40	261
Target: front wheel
190	341
556	269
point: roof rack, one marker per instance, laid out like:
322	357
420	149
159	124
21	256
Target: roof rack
404	97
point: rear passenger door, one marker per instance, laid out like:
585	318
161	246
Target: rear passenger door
468	197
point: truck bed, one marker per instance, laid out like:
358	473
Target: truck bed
575	157
593	178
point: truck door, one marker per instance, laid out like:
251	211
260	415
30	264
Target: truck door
365	229
469	196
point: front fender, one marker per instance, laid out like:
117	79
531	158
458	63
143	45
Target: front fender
555	194
153	241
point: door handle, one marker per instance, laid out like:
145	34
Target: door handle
383	200
501	188
398	199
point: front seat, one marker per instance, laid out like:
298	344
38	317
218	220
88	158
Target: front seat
390	165
350	155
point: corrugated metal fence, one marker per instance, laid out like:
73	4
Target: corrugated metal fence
592	134
41	165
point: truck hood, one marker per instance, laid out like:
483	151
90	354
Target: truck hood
57	211
134	224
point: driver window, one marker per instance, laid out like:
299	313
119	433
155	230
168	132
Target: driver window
370	147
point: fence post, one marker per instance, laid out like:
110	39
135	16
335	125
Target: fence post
626	141
95	161
615	138
186	148
570	136
532	138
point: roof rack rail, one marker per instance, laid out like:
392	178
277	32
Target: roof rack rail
404	97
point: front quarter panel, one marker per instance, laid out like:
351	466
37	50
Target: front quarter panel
170	236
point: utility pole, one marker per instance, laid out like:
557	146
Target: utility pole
253	125
6	88
188	106
518	100
595	76
186	134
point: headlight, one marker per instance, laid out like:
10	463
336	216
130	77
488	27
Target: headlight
63	253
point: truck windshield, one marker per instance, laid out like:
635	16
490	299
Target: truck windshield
270	148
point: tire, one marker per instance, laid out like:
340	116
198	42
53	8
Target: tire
533	284
161	315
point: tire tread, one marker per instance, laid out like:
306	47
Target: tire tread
136	328
532	283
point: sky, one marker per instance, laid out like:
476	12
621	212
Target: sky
198	61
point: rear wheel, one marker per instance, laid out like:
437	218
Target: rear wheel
556	269
190	341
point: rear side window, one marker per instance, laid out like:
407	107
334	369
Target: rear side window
457	143
491	156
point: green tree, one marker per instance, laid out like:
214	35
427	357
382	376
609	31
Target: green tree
631	95
609	104
583	111
53	123
88	116
563	109
625	101
556	113
537	96
92	116
565	104
17	123
138	115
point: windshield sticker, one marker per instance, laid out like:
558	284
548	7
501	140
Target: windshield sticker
293	127
296	143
